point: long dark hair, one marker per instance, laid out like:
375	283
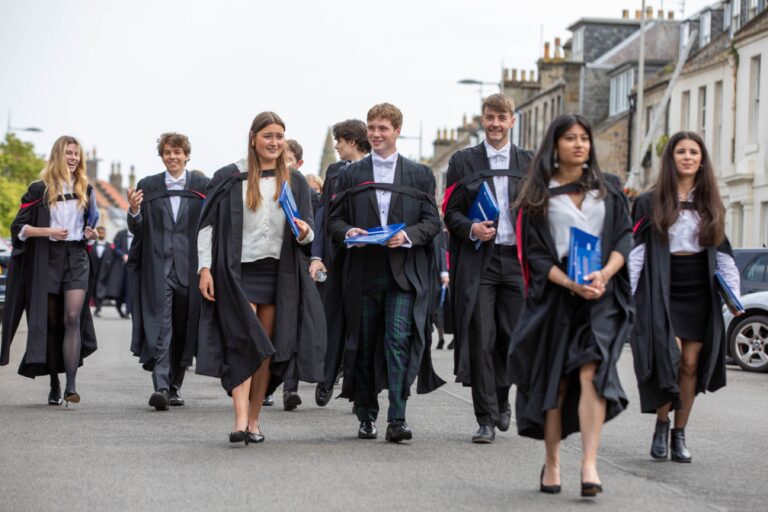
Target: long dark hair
706	195
534	195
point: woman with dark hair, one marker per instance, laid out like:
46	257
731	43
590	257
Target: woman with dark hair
264	316
569	337
679	339
50	271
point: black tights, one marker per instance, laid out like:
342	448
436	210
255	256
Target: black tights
73	308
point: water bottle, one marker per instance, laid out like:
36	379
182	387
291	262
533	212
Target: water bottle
321	276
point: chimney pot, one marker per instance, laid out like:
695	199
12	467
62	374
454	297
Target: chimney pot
557	48
671	15
546	51
661	14
638	14
523	75
649	13
532	78
625	14
514	75
453	134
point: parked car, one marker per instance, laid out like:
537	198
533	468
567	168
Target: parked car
747	335
753	267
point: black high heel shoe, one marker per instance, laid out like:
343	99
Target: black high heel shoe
255	437
71	396
547	489
239	436
590	489
54	397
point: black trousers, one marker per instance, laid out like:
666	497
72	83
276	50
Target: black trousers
168	372
498	306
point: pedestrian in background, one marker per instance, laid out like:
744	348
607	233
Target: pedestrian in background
567	343
49	274
678	342
262	316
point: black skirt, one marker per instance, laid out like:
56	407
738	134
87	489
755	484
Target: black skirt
689	302
259	280
68	267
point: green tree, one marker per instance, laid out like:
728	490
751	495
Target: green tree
19	166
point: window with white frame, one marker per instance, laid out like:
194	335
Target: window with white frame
754	100
701	125
621	87
752	9
685	111
735	16
685	31
705	28
727	10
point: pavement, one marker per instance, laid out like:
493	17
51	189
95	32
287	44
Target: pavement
113	452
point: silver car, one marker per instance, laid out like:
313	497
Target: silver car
747	335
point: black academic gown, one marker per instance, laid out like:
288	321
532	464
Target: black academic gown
654	348
356	206
146	271
27	292
117	282
102	269
467	170
297	347
537	352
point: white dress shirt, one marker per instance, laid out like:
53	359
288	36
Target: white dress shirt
563	215
100	246
498	160
384	172
262	229
172	183
64	214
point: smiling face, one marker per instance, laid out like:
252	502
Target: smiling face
497	126
687	155
269	143
382	136
72	156
573	147
175	159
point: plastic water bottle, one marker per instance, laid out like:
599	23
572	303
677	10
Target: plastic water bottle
320	276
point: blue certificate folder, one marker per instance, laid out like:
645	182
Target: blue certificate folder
729	298
378	235
584	255
484	208
93	211
289	207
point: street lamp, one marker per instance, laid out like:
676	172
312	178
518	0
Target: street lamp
480	83
10	128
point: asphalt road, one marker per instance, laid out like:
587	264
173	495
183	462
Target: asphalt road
114	452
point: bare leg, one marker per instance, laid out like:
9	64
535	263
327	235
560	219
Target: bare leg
591	419
260	380
553	429
662	413
689	364
240	401
73	308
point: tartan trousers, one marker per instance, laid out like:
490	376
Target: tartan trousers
385	307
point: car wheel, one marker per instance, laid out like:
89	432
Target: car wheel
749	343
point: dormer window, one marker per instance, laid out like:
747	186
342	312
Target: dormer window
577	46
705	29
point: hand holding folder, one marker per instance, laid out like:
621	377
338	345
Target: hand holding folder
289	208
584	255
729	298
485	208
378	235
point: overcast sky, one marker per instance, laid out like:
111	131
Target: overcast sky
116	74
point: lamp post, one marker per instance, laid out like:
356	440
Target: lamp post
10	128
479	83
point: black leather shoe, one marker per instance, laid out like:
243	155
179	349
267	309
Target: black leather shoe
291	400
322	395
239	436
269	401
440	344
590	489
368	430
451	345
54	396
398	431
255	437
660	444
505	418
175	399
484	435
547	489
159	400
679	450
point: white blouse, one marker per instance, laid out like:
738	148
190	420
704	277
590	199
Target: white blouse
262	229
563	215
64	214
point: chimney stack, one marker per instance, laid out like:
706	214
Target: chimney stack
671	15
625	14
649	13
546	51
557	48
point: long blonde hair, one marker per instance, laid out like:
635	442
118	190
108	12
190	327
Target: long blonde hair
56	173
253	195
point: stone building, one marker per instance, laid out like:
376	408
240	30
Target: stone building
449	141
329	154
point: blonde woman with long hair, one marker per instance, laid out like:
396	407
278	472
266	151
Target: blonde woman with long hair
49	271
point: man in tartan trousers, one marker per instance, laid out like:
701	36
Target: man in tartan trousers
386	288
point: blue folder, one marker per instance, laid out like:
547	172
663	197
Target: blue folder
93	211
484	208
729	298
289	208
442	295
584	255
378	235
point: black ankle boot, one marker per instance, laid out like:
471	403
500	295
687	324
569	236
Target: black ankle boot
680	451
660	444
